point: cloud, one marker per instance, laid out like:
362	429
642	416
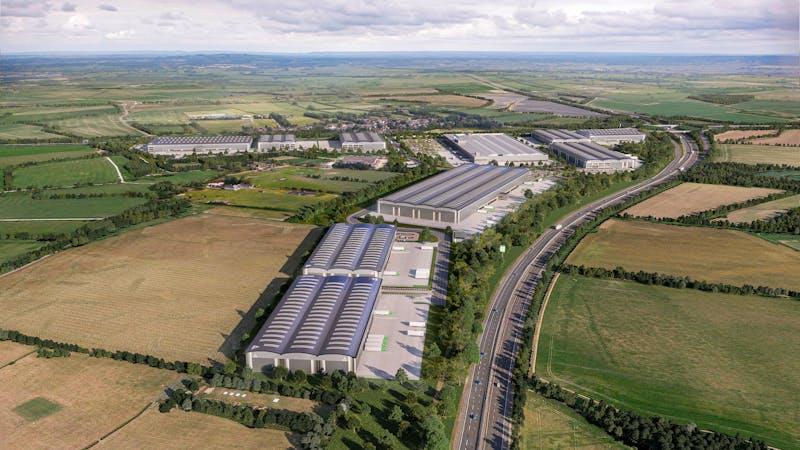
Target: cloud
24	8
121	34
69	7
107	7
77	23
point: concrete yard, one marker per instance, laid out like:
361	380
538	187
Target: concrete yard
402	266
395	347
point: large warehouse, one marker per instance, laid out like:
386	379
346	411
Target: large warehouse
613	136
365	141
187	145
352	250
593	157
552	136
267	142
501	148
320	324
451	196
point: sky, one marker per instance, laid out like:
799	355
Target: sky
751	27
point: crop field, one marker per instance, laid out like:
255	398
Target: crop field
735	135
14	131
787	137
764	210
540	106
11	249
179	430
441	100
10	351
274	199
186	289
720	256
791	174
551	425
701	359
758	154
71	402
20	205
66	173
43	226
17	154
91	126
690	198
301	178
188	177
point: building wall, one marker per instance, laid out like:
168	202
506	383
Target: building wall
363	146
268	146
188	149
614	140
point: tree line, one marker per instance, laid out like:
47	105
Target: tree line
739	174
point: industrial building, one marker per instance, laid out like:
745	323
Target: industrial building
187	145
451	196
500	148
365	141
267	142
593	157
352	250
613	136
551	136
319	325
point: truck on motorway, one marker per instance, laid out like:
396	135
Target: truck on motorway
558	227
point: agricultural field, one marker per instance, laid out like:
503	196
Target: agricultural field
73	401
702	359
91	126
758	154
11	351
302	178
691	198
735	135
720	256
186	289
20	205
10	249
17	154
181	178
441	100
540	106
179	430
268	199
66	173
787	137
16	131
763	211
40	226
791	174
551	425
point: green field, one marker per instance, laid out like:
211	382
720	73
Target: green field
757	154
11	249
684	354
790	174
17	154
551	425
37	227
117	188
16	131
66	173
187	177
20	205
299	178
258	198
91	126
37	408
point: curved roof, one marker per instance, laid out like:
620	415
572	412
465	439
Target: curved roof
353	247
320	316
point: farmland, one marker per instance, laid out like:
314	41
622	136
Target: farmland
185	289
18	154
787	137
72	402
441	100
690	198
65	173
736	135
11	249
758	154
271	199
720	256
764	210
20	205
702	359
316	179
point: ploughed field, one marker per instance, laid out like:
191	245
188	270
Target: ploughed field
184	290
763	211
719	256
724	362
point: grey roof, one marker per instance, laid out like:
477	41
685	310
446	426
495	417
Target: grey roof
588	151
197	140
320	316
353	247
276	138
551	135
491	144
350	137
589	132
459	187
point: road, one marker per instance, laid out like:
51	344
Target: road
484	419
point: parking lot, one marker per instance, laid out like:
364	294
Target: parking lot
409	265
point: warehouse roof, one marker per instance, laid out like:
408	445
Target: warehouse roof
588	150
610	132
184	140
276	138
491	144
353	247
320	316
551	135
359	137
459	187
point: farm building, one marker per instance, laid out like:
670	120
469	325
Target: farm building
613	136
452	196
550	136
594	157
267	142
366	141
187	145
320	324
352	250
498	147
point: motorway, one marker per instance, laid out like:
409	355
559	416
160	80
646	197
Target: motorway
484	419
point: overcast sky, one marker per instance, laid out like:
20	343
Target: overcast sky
652	26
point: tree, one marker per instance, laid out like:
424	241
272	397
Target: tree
435	438
401	375
528	193
396	415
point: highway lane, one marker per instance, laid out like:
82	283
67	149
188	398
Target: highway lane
484	419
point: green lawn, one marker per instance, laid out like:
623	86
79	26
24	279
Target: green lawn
19	205
300	178
187	177
725	362
258	198
66	173
18	154
37	408
11	249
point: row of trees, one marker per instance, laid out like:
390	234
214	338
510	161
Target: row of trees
8	171
738	174
673	281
